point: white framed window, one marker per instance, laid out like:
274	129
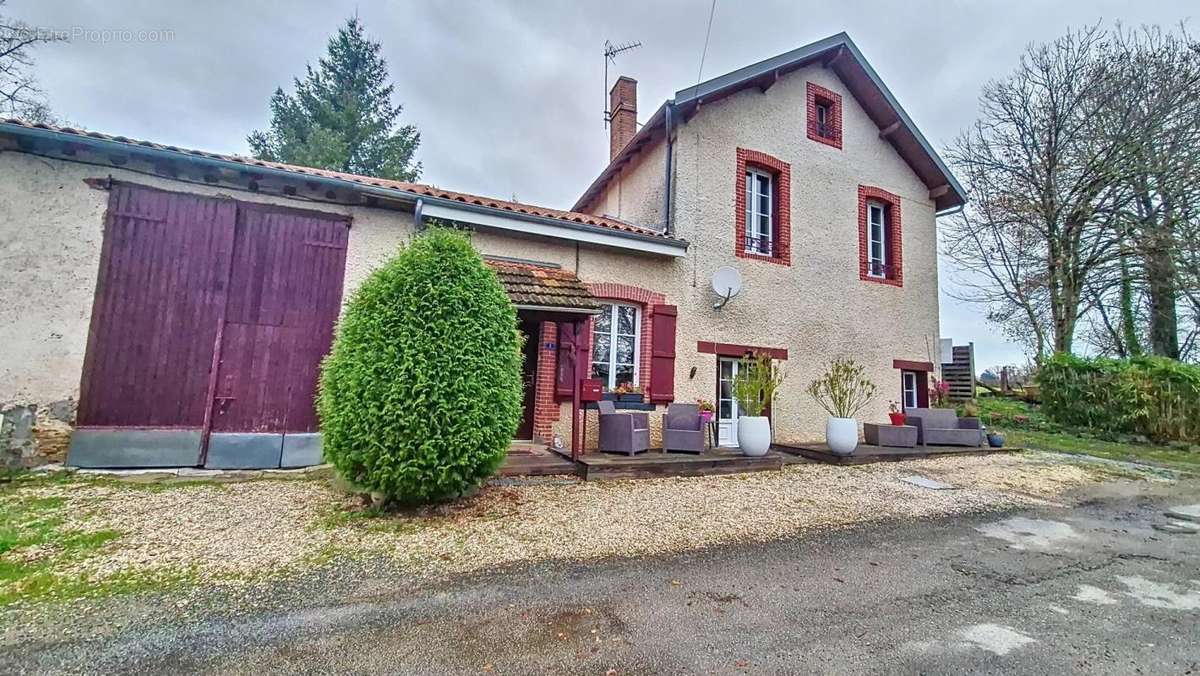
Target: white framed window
616	344
909	381
823	115
760	216
877	235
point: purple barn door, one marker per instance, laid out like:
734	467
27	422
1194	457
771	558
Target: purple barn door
160	291
285	290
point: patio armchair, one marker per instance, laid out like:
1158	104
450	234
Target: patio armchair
943	427
682	429
625	432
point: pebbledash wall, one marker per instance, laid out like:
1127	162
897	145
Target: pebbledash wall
816	307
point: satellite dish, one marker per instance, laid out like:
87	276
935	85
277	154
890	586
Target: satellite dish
727	283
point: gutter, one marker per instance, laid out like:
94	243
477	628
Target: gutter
104	145
667	181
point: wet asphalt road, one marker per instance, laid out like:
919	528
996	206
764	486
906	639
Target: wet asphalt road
1089	589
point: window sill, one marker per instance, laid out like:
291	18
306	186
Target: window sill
778	260
885	281
622	405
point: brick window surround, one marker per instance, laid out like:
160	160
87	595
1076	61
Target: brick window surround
781	173
546	409
895	249
645	300
816	94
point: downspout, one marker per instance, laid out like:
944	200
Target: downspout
667	182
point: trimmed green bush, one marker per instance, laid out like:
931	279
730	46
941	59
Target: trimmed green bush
1154	397
421	394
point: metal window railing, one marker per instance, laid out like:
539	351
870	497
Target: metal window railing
763	246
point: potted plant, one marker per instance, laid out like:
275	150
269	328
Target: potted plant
894	413
754	387
843	391
629	392
995	440
706	410
939	393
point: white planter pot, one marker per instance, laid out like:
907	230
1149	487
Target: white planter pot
754	435
841	434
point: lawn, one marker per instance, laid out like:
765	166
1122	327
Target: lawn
1024	426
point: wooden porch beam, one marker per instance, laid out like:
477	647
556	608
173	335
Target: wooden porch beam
939	191
769	81
841	51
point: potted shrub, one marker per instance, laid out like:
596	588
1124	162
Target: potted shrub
995	440
843	391
629	392
754	388
706	410
894	413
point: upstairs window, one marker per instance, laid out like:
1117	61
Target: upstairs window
762	219
879	236
877	244
760	223
824	115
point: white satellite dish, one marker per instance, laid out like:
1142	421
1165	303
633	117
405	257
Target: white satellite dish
727	283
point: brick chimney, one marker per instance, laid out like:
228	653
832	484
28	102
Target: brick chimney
622	104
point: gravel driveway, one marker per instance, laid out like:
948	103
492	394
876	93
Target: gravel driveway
228	532
1088	588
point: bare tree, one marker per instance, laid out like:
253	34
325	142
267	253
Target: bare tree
1159	177
19	93
1040	177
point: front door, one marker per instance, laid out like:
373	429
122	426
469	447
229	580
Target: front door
528	378
727	407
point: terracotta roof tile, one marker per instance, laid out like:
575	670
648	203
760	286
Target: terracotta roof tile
528	284
414	188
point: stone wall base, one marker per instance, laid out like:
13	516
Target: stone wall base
35	434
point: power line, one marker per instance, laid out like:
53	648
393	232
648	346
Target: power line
707	32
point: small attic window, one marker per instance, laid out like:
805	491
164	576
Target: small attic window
824	115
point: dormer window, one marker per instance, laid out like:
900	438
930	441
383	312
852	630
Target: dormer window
824	115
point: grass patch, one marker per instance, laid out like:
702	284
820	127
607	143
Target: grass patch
1063	442
38	550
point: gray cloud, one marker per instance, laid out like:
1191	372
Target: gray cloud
509	96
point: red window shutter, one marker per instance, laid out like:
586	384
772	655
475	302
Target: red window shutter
662	355
564	375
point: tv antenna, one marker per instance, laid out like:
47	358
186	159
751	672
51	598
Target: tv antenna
610	54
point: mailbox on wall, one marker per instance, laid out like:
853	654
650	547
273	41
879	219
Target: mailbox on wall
591	389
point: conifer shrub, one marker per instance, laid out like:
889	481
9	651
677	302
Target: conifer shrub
421	394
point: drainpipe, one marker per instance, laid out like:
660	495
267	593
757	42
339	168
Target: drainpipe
667	183
418	217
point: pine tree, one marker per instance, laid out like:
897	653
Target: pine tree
341	116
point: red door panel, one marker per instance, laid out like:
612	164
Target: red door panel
159	295
285	292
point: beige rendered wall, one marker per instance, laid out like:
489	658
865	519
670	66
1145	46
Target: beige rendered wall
51	227
817	308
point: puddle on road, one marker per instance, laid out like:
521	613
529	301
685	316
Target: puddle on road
993	638
1089	594
1159	595
1022	533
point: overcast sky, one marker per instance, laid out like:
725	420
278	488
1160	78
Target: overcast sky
509	96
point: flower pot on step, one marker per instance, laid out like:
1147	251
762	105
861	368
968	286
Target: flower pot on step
841	435
754	435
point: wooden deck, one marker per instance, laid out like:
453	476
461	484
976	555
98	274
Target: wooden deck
654	463
866	453
525	459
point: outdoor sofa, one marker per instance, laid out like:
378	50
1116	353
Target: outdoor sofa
943	427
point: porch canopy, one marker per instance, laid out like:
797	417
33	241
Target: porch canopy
544	293
550	294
